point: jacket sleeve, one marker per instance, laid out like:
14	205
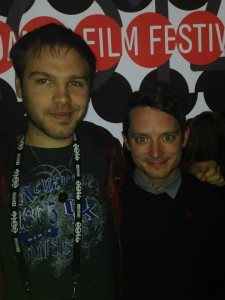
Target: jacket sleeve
2	285
116	176
218	272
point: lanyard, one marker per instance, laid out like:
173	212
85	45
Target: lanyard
14	217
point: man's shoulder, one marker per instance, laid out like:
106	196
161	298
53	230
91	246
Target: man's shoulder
189	178
11	138
205	199
90	129
192	186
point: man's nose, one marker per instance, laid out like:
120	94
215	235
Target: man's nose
155	149
61	94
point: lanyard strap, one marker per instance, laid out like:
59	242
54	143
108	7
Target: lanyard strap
78	216
14	215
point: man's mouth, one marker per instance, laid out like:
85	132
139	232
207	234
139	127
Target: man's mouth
61	115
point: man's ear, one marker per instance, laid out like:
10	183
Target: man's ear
18	87
125	142
186	136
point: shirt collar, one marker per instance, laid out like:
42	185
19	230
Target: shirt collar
170	188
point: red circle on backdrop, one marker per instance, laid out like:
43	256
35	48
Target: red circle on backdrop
150	40
37	22
200	37
103	35
7	40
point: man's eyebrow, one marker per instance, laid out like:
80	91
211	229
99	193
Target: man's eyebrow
172	132
138	133
38	73
48	75
81	77
176	132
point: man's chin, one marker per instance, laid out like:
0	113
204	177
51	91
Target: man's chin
60	134
163	177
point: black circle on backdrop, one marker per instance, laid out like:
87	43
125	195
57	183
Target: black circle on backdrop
5	6
71	7
211	83
16	12
131	5
10	109
178	83
189	4
109	100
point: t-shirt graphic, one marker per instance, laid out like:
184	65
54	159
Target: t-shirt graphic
47	225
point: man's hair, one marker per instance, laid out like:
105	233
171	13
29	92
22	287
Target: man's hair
160	97
53	37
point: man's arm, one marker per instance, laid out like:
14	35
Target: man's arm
207	171
2	285
218	247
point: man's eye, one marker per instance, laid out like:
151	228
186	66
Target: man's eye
76	83
141	139
169	138
43	81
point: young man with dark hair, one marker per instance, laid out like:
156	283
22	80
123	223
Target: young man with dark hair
173	236
58	238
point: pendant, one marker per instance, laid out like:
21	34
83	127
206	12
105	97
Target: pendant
62	197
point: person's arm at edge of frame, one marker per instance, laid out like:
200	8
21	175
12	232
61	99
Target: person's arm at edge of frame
208	171
218	242
2	284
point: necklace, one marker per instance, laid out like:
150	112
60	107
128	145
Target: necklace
62	196
14	216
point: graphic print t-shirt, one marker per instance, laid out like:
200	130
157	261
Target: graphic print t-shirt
47	227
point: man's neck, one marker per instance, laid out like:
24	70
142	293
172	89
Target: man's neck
171	187
157	182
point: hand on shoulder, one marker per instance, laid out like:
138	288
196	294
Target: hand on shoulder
207	171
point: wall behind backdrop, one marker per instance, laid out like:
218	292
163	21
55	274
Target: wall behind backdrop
136	42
